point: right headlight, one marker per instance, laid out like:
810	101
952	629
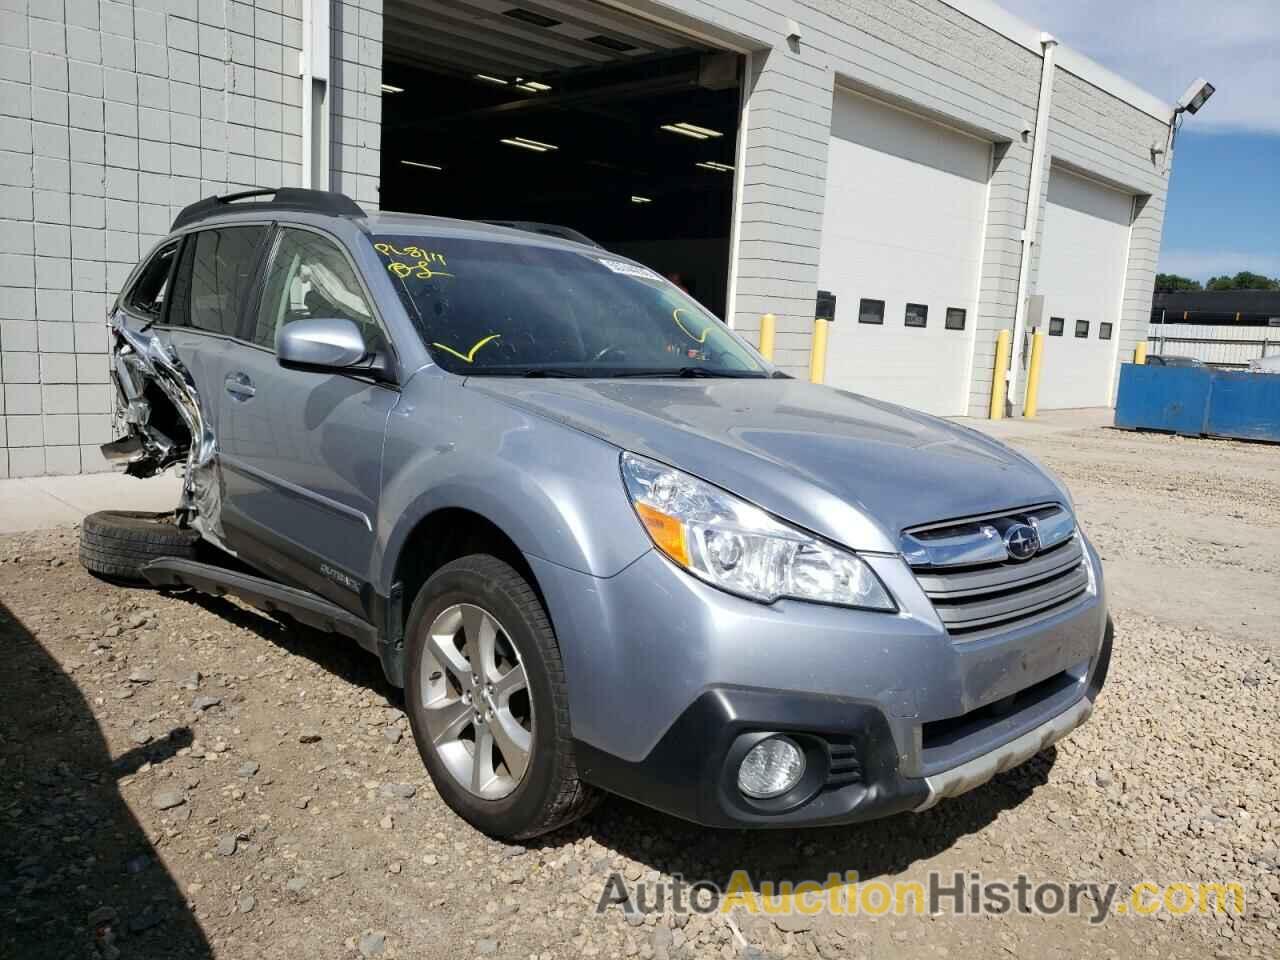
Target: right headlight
737	547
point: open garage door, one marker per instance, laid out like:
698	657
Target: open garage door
565	112
1081	277
902	233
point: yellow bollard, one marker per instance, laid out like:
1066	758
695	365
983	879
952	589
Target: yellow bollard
768	325
1140	352
1033	375
818	358
1000	378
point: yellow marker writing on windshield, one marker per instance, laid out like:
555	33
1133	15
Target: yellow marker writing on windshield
470	355
421	270
675	315
413	252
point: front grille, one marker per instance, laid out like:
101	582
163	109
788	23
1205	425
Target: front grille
975	587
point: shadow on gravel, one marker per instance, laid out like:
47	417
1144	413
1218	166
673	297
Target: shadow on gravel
880	848
340	656
78	876
672	846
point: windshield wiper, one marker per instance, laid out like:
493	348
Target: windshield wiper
551	372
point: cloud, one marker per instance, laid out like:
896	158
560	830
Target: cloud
1162	45
1203	264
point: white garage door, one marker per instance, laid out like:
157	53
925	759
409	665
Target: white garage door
1082	267
902	245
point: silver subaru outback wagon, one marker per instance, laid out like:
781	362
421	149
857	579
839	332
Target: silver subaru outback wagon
600	541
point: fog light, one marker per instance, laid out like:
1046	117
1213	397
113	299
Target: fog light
771	768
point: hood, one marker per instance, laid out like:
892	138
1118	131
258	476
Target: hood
852	469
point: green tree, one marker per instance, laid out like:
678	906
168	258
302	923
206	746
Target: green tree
1244	280
1171	283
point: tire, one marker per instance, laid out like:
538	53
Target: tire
548	793
117	544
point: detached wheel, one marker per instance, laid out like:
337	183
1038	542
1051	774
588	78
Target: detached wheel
487	701
117	544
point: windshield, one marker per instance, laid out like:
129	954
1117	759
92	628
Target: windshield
511	309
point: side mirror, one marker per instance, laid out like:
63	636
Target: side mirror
332	345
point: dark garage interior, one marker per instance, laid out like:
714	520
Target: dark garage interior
566	113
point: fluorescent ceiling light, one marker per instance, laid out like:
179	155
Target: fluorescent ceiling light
714	165
388	88
672	128
533	86
611	43
528	16
702	130
488	79
641	200
419	163
535	145
692	130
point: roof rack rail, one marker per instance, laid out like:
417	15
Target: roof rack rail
547	230
282	198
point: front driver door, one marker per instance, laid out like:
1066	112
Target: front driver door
301	451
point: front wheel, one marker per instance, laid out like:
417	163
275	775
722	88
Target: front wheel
487	701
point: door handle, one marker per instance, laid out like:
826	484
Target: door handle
239	385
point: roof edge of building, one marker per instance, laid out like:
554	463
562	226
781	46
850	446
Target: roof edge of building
996	18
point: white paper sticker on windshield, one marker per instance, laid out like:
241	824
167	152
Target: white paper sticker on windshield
629	269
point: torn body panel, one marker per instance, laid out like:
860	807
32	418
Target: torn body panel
167	424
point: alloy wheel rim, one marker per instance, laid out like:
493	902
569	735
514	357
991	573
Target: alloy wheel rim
475	697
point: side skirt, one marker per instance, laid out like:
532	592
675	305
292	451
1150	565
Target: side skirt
268	595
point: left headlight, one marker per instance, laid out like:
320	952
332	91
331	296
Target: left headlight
737	547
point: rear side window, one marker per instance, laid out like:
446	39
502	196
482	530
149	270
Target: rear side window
150	292
222	263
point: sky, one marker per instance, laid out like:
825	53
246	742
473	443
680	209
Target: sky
1223	211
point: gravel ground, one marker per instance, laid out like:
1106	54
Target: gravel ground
185	777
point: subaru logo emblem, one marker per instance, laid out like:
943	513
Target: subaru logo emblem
1022	541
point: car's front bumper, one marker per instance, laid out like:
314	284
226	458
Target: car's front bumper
691	772
669	679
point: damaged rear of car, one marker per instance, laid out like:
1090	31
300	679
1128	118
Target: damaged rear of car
163	418
163	423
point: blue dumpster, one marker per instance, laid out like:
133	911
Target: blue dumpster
1199	401
1244	405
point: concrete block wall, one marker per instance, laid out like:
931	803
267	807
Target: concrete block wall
113	116
355	99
